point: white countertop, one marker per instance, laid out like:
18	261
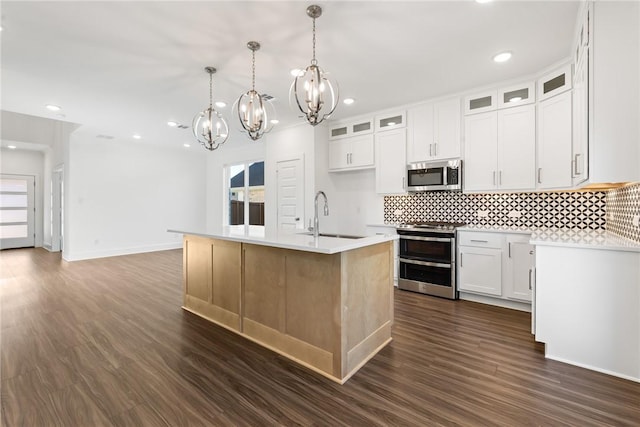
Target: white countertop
495	229
584	239
289	240
565	237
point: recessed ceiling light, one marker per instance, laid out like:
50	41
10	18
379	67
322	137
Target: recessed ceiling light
516	99
221	104
349	101
172	124
136	136
186	145
295	72
502	57
483	1
11	147
52	107
275	121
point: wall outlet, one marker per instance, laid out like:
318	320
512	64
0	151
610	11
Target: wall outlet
514	214
483	214
636	220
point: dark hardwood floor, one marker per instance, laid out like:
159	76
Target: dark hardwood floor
105	342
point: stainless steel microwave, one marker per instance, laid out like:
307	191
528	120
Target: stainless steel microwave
435	176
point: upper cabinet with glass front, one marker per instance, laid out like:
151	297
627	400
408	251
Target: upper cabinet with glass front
393	120
353	128
554	83
480	102
513	96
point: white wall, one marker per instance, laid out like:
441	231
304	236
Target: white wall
28	162
122	197
353	201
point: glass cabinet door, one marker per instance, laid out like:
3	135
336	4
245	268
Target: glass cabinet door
517	95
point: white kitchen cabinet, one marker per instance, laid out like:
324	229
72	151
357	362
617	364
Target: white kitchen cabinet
500	150
496	267
554	83
613	70
391	161
480	151
434	131
480	270
481	102
516	168
356	152
580	137
393	120
554	142
518	267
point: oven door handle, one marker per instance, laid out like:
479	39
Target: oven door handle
425	263
426	239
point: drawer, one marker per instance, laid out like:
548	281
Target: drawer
480	240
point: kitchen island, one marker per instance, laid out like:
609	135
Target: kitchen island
324	302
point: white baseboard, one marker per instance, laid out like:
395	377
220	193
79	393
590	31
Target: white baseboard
593	368
79	256
515	305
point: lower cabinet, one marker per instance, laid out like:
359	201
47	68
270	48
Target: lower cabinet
496	265
480	270
212	279
519	267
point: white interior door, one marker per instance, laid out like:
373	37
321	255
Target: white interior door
17	211
290	175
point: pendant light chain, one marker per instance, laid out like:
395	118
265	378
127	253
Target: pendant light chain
210	90
253	70
313	61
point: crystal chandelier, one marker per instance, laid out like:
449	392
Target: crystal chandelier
315	94
209	127
256	114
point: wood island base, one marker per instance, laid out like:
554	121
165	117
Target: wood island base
328	312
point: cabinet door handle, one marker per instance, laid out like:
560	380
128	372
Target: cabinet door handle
575	162
509	249
530	271
494	177
430	149
461	259
539	175
435	148
480	241
500	178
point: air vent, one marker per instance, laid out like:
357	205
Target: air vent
104	136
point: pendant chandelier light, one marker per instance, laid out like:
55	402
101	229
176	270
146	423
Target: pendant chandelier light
256	114
315	94
209	127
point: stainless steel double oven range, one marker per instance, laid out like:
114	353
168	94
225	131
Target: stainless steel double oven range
428	258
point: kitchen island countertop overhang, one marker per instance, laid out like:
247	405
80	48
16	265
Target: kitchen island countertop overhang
296	240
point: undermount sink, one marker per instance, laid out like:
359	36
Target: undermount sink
336	236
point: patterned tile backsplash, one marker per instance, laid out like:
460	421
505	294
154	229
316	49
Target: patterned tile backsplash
622	204
578	210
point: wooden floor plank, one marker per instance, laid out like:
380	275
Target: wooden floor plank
105	342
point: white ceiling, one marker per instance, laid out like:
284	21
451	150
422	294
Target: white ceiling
120	68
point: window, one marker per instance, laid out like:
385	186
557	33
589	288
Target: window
246	193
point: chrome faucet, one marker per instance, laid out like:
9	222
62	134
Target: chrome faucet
316	221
